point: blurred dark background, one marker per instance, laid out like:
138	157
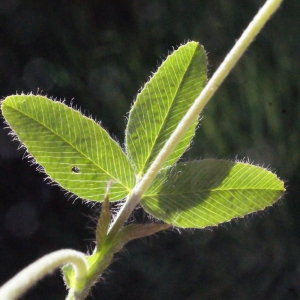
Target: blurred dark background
99	53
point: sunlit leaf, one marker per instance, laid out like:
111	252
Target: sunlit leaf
74	150
208	192
161	105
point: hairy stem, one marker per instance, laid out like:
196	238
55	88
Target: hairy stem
20	283
229	62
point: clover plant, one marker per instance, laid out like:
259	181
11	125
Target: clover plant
79	155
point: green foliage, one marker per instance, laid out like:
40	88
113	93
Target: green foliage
74	150
208	192
162	103
78	153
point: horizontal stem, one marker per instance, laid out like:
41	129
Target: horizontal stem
25	279
229	62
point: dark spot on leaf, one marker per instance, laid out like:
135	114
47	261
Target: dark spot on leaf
75	169
283	111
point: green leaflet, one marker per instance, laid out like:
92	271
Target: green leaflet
208	192
73	149
162	103
80	155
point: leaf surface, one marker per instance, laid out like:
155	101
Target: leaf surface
162	103
73	150
208	192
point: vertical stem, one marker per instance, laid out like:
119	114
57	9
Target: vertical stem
229	62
